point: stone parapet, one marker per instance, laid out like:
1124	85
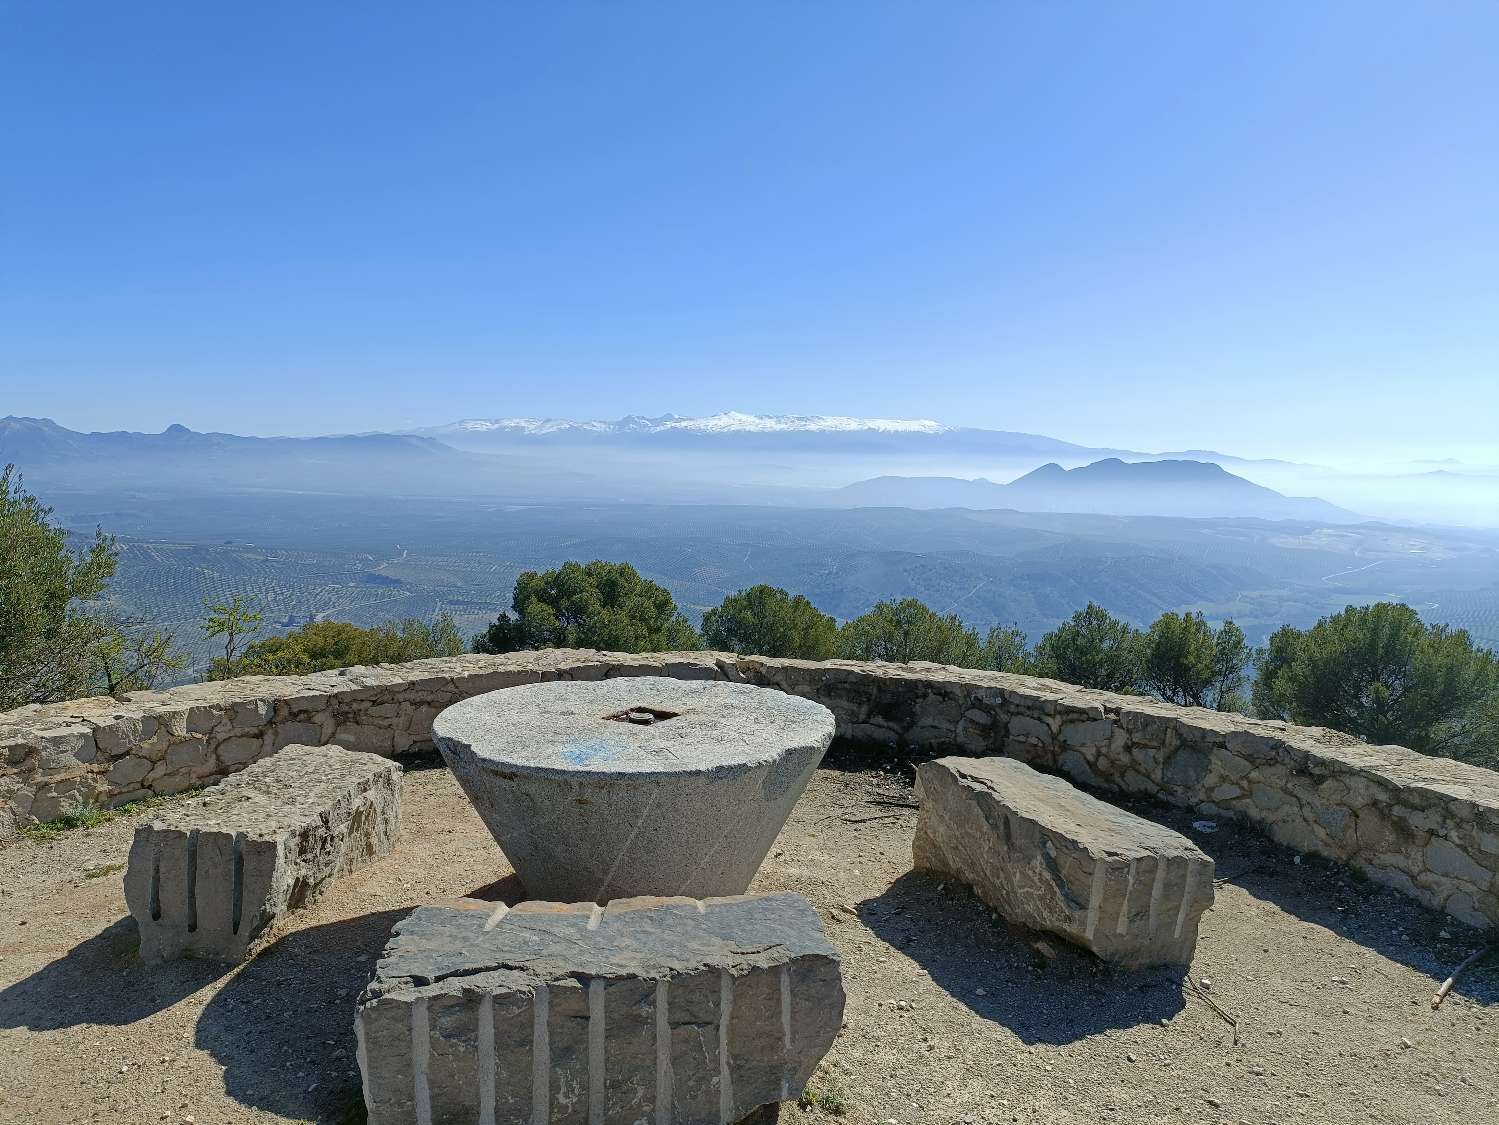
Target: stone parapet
1427	826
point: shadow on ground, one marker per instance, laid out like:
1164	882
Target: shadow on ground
508	890
999	972
1327	894
283	1026
102	981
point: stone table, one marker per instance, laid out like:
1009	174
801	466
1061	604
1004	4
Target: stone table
634	786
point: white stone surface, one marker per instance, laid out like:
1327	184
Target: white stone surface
589	808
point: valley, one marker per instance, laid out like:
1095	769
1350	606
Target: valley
367	560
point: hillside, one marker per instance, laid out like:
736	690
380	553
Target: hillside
369	560
1178	488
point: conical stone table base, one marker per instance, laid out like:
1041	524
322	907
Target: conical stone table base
639	786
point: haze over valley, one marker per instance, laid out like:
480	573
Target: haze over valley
379	526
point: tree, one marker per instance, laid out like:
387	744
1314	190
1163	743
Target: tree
47	638
1380	673
599	605
1004	649
1185	660
127	657
235	620
321	645
768	621
1093	649
907	630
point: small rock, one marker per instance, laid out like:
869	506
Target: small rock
1205	825
981	992
1406	1043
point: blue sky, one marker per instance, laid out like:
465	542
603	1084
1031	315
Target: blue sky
1271	228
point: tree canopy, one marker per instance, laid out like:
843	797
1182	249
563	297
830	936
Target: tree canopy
1185	660
599	605
321	645
908	630
768	621
1093	649
1377	671
48	639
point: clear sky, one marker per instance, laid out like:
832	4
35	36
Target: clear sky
1271	228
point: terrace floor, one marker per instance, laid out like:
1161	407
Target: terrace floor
951	1017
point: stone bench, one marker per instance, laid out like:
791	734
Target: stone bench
1049	857
209	876
657	1010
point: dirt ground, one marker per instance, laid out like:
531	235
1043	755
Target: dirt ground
951	1016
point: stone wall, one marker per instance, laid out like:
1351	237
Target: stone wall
1427	826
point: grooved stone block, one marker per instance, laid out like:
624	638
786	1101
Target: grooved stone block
1050	857
655	1010
208	876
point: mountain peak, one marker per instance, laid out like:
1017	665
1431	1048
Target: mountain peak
725	422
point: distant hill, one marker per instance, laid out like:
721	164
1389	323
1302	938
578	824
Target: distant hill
179	459
1192	489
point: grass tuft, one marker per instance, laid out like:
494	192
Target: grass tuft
827	1101
86	814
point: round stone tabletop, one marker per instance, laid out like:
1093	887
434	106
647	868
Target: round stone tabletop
606	789
638	726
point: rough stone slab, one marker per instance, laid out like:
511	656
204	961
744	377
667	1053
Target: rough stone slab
1051	857
209	876
657	1010
590	806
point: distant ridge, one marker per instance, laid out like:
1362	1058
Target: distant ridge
727	422
1192	489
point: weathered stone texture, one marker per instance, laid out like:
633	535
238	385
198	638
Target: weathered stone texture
1050	857
650	1009
589	808
209	876
1289	781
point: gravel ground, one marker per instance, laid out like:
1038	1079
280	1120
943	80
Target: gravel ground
951	1016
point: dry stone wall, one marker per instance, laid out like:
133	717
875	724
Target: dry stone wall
1427	826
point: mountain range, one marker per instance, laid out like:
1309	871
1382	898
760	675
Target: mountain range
1187	489
729	457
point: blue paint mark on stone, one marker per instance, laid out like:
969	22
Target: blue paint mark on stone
587	751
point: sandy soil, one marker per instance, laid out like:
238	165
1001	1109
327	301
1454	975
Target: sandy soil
951	1016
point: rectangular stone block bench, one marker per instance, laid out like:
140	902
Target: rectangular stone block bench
1049	857
657	1010
209	876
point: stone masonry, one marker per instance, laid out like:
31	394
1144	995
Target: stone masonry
669	1011
211	875
588	805
1426	826
1050	857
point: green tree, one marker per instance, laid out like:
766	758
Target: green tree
47	638
907	630
236	621
768	621
1185	660
321	645
1093	649
599	605
130	657
1004	649
1378	672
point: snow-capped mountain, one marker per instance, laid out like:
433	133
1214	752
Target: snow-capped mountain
727	422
